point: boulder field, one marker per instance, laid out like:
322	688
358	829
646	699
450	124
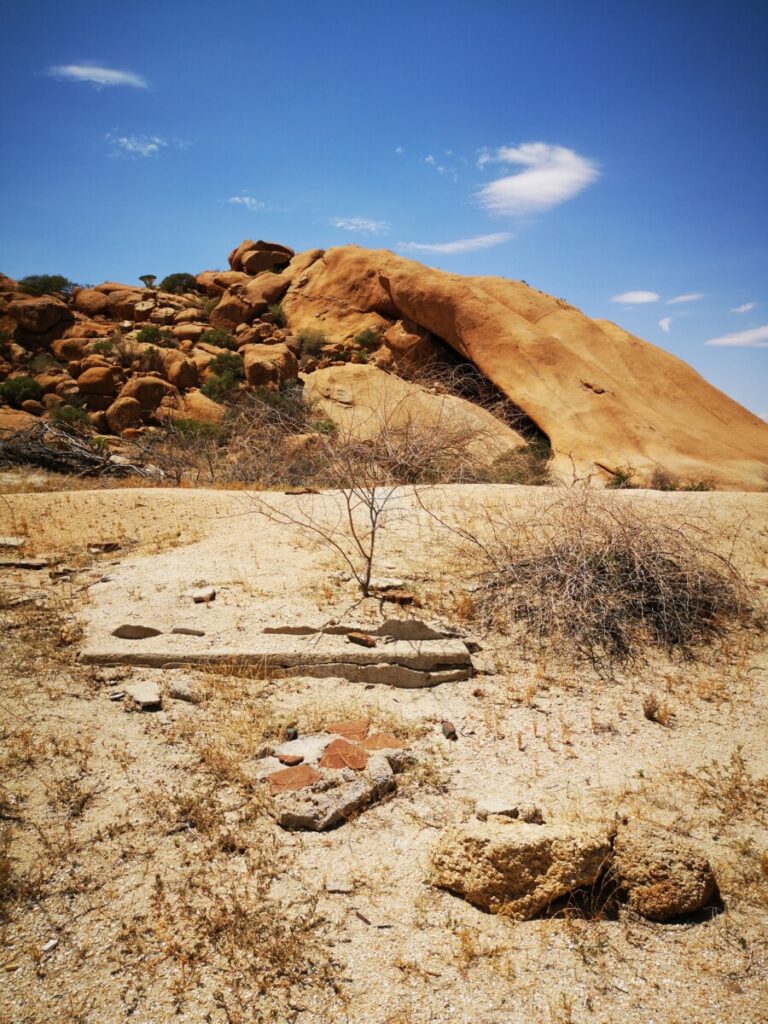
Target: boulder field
604	399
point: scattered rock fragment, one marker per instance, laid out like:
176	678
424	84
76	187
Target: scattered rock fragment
290	760
12	542
290	780
145	694
184	689
491	806
449	730
340	753
103	547
308	748
204	595
362	639
188	631
354	729
23	563
661	875
342	886
515	868
382	741
132	631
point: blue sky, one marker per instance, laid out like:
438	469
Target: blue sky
593	149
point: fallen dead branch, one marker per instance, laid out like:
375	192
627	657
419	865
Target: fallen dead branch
62	451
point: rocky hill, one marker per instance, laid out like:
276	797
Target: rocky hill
116	359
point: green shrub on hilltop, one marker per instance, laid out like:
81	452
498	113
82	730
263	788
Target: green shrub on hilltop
46	284
227	372
153	335
178	283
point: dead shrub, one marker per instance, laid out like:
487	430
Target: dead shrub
604	580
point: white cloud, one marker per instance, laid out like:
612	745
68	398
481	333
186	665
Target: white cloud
399	150
247	201
429	159
664	323
361	224
462	245
551	175
135	145
688	297
757	337
746	308
636	298
97	76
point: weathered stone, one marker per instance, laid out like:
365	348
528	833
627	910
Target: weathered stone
308	748
490	806
514	868
331	802
97	380
355	729
131	631
290	760
188	631
124	412
146	694
91	301
204	595
382	741
363	639
661	874
290	780
185	690
449	730
340	753
269	364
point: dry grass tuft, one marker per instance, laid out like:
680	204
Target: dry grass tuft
602	580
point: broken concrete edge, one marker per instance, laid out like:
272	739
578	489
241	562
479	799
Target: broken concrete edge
387	673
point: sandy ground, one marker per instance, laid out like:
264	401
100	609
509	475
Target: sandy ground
147	883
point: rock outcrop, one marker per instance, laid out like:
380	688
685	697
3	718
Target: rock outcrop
514	868
604	398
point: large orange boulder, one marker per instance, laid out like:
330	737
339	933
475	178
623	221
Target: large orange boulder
194	405
12	420
366	403
124	412
97	380
604	398
91	301
260	256
216	282
269	364
233	309
148	391
43	315
179	370
121	305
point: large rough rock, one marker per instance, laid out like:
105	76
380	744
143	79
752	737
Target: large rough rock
179	370
45	315
604	398
12	420
254	257
661	875
193	405
514	868
216	282
97	380
124	412
149	392
233	308
266	288
366	402
91	301
269	364
122	304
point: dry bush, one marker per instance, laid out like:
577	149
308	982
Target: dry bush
604	580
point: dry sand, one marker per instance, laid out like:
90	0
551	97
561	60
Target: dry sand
160	912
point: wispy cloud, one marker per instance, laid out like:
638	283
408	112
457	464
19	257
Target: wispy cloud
361	225
249	202
97	76
636	298
747	307
551	175
757	337
134	145
399	150
459	246
664	323
688	297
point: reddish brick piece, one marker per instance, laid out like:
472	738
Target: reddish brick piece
289	779
399	597
382	741
291	760
350	729
343	754
363	639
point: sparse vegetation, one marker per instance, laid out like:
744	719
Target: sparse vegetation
178	283
226	375
46	284
312	340
16	390
604	581
219	337
276	310
153	335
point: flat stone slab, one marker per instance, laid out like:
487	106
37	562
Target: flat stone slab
401	663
